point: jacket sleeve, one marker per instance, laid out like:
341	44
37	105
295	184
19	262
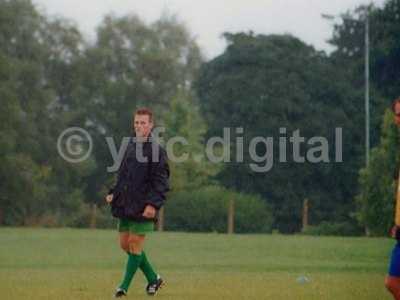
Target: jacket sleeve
159	181
120	174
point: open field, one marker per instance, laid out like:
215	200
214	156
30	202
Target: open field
87	264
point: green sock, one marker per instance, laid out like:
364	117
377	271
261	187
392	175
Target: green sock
147	269
131	267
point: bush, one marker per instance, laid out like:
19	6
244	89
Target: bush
206	209
378	187
83	218
336	229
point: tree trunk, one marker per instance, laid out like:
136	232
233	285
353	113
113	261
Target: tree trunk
305	214
93	217
231	217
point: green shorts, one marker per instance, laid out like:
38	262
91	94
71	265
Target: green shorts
125	225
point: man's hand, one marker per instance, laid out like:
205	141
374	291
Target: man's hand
149	212
109	198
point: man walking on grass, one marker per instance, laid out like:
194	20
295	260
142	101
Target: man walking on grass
136	198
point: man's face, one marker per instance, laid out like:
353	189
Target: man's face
142	125
397	113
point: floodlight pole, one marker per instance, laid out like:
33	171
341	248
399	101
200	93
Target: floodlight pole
366	67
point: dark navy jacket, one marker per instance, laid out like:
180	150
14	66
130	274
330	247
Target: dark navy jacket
143	179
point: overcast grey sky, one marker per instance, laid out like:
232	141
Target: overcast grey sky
208	19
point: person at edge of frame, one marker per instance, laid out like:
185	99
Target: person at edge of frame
136	198
392	279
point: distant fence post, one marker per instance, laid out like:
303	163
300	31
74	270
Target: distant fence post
367	232
231	216
93	217
160	221
305	214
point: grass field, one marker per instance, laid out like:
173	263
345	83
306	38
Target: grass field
87	264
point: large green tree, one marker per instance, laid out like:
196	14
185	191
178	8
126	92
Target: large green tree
263	83
37	57
384	65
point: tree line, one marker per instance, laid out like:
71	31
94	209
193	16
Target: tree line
51	79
